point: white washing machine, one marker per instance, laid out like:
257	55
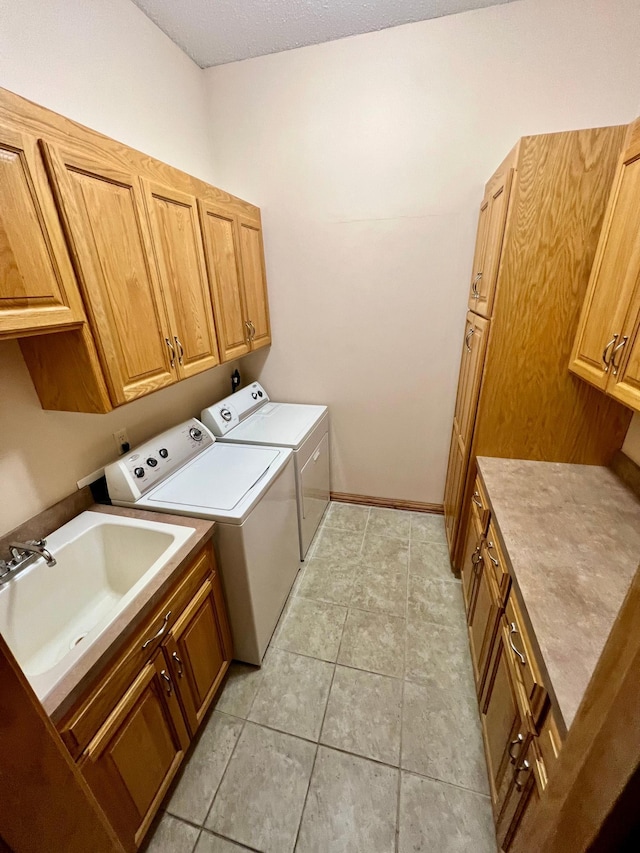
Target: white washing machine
250	417
250	492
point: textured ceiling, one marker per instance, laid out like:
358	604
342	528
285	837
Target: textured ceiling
213	32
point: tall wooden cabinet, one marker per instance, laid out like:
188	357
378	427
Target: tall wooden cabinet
540	220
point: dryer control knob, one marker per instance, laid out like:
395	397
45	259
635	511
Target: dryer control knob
139	472
225	414
254	395
195	433
163	452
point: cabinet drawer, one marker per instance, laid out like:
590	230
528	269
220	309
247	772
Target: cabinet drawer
497	563
79	726
524	661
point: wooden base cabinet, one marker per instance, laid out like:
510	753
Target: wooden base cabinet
129	732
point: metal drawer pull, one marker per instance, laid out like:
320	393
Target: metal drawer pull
468	337
607	364
476	500
525	766
619	348
474	286
181	348
513	631
172	351
164	675
493	559
253	330
517	742
179	662
163	628
476	559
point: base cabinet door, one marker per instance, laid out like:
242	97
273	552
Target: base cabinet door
132	759
483	617
198	649
524	792
472	556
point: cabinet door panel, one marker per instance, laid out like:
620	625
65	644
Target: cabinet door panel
105	222
176	237
472	556
483	618
613	278
478	255
135	755
38	289
221	240
453	489
497	217
471	365
255	282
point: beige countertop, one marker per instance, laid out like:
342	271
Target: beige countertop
572	536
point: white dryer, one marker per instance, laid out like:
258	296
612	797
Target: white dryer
250	417
250	492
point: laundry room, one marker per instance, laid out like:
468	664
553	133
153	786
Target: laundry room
319	431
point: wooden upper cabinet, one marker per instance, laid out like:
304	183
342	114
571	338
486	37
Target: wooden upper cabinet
608	323
255	282
478	254
175	232
221	242
104	218
38	290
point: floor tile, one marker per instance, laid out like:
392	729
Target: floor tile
329	579
438	655
173	836
434	816
430	559
373	641
338	543
347	517
261	797
293	693
203	771
312	628
363	714
239	689
381	552
435	601
427	527
441	736
351	807
380	590
209	843
389	522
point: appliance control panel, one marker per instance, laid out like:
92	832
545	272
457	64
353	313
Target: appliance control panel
150	463
229	412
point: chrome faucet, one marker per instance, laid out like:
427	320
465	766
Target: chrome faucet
22	555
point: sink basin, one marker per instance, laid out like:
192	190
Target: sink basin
52	615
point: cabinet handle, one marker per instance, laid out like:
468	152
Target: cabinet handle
248	325
495	562
181	348
517	742
513	631
468	337
477	558
163	628
164	675
253	330
474	286
525	766
172	351
619	348
179	662
476	499
606	363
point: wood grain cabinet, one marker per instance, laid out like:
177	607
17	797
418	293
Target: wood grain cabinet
235	260
38	289
130	729
606	352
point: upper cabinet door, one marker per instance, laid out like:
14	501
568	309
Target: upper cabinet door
493	221
478	254
176	238
255	282
220	234
613	279
624	374
38	290
104	217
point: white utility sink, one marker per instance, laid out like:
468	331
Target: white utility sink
52	615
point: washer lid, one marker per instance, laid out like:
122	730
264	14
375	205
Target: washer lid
280	424
218	479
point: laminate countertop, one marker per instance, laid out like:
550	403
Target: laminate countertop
572	536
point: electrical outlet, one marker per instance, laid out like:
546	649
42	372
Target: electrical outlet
122	440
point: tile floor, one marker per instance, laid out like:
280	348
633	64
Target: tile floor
360	732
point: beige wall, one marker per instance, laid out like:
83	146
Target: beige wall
368	157
108	66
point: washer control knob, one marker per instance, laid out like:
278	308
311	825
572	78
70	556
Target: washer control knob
254	395
152	462
163	452
225	414
139	472
195	433
260	394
